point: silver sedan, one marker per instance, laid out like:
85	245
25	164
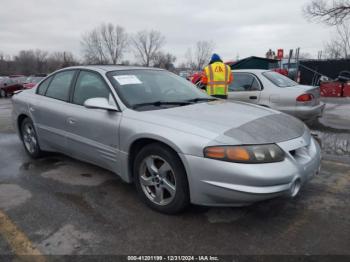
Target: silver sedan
174	142
273	90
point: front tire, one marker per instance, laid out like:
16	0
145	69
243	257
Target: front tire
29	138
160	179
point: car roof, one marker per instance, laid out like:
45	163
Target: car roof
254	71
108	68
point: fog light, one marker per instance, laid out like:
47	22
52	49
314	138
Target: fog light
295	188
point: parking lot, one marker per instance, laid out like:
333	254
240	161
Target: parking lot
57	205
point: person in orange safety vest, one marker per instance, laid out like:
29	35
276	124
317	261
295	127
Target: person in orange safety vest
217	76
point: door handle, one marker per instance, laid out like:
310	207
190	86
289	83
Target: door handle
71	121
253	97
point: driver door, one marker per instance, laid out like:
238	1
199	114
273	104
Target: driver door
93	134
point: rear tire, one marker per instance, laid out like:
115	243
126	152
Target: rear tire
160	179
29	139
2	93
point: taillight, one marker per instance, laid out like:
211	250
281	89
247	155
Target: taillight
305	98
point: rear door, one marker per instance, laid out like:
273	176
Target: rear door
92	134
245	87
50	112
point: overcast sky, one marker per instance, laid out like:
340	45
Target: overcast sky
237	27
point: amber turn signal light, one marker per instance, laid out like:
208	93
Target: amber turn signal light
250	154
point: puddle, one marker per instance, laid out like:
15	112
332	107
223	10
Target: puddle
78	175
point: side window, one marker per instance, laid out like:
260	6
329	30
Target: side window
59	87
90	85
255	85
43	86
241	82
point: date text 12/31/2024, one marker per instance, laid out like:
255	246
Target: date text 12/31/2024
173	258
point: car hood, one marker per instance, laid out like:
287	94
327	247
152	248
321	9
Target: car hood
227	122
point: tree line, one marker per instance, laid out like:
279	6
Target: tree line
29	62
108	44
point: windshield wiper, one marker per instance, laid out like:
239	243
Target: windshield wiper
161	103
196	100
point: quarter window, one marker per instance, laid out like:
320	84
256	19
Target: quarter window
244	82
90	85
255	85
43	86
59	87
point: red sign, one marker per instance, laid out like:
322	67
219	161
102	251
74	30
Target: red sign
280	53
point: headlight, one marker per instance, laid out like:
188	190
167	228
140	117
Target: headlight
246	154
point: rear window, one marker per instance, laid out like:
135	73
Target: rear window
279	80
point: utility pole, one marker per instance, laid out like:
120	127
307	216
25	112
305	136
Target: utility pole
297	53
290	57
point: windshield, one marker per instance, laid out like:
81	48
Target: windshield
142	86
279	80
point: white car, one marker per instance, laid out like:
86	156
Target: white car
273	90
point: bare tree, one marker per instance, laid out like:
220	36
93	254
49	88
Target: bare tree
59	60
115	40
332	50
202	53
165	61
40	59
339	46
189	60
343	32
25	62
333	12
104	44
92	48
146	45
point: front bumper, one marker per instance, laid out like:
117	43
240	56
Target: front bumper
218	183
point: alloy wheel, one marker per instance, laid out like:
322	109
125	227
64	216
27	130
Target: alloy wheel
157	180
29	138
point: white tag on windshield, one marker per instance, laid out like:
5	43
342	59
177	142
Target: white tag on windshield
127	80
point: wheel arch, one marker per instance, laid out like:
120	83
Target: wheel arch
140	143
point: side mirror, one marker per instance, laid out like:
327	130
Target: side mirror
99	103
